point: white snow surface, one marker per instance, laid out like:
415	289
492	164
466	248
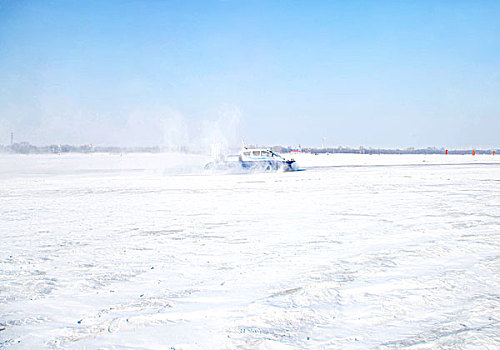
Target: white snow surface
147	251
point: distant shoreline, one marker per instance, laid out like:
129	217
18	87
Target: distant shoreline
26	148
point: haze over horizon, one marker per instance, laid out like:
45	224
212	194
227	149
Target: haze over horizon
143	73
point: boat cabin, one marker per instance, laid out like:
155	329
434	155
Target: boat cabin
258	154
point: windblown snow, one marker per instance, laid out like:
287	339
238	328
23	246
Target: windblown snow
147	251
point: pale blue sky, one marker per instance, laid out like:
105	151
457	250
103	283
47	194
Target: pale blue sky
360	73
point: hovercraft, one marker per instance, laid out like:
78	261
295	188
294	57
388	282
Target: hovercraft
259	159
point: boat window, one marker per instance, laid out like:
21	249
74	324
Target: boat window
246	154
256	153
266	154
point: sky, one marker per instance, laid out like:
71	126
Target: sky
351	73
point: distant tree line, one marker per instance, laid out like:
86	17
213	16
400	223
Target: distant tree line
369	150
26	148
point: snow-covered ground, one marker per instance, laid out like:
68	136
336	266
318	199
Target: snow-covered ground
146	251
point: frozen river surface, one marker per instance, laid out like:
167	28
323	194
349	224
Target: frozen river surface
147	252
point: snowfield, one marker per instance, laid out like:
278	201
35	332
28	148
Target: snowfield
148	251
